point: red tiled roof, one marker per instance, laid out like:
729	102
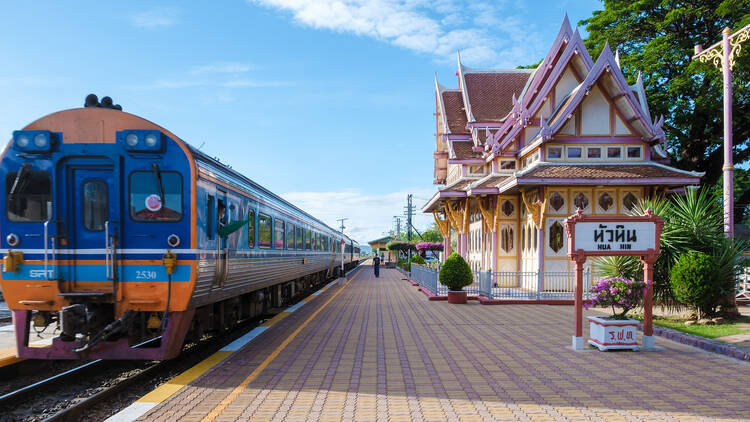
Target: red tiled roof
460	185
454	112
463	150
491	94
613	171
491	182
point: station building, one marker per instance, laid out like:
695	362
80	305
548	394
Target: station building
517	151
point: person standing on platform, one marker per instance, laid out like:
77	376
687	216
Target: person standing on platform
376	266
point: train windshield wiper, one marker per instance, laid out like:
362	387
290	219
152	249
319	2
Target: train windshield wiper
159	183
20	180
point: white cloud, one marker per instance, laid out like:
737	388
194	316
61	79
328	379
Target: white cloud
216	74
156	18
487	32
370	216
222	68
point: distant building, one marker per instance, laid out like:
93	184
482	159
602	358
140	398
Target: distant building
378	247
519	150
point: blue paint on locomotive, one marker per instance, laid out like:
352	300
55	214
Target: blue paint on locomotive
93	272
72	163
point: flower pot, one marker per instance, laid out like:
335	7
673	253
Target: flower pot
456	296
612	334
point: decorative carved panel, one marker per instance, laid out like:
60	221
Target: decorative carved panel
556	233
556	201
605	201
508	208
629	201
580	201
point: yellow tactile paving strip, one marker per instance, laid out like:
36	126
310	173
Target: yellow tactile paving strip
380	351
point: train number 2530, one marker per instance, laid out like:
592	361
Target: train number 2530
145	275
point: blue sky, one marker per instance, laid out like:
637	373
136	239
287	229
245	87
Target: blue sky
326	102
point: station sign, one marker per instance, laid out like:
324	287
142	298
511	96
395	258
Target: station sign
615	236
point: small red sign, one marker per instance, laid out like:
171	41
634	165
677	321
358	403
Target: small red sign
153	202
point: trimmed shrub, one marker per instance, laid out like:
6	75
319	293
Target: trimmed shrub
456	273
404	264
695	283
417	259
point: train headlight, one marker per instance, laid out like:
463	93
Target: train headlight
22	141
173	240
142	140
150	140
131	139
32	140
13	239
40	140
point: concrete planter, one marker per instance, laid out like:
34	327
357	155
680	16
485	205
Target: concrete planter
457	296
612	334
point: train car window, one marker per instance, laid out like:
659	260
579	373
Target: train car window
250	228
210	217
95	205
278	235
264	231
28	192
155	196
327	244
300	239
308	239
290	236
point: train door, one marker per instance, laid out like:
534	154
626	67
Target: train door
93	219
222	215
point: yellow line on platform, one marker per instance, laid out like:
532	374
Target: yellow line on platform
250	378
165	390
274	320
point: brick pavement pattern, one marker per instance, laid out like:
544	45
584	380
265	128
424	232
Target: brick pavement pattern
381	352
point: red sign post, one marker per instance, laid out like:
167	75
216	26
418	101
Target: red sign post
595	235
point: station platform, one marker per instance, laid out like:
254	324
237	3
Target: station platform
375	349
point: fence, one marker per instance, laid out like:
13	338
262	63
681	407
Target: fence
509	285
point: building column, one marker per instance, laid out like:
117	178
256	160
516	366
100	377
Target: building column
493	251
447	241
540	259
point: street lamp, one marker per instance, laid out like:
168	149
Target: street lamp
723	55
341	220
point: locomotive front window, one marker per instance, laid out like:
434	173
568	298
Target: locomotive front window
155	195
95	205
28	193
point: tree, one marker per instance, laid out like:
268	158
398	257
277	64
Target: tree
657	38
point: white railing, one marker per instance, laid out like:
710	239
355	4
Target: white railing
509	285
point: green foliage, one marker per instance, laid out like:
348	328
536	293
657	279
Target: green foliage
695	284
619	266
417	259
656	37
399	245
404	264
694	223
456	273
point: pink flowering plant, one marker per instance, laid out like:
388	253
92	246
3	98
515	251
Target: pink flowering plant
617	292
429	246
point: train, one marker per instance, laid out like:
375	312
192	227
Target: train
131	242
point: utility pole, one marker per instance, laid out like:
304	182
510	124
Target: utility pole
722	55
409	213
341	220
397	222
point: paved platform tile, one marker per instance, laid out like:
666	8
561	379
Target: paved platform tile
381	351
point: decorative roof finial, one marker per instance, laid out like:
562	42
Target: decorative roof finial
617	57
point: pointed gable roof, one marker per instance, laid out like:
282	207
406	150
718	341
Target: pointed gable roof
451	106
607	73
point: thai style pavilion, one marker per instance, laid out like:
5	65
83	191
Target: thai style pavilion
517	151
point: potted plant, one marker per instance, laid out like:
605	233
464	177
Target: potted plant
456	274
616	331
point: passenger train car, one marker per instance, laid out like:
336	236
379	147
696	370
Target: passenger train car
133	241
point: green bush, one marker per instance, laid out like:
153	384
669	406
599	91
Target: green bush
456	273
696	284
417	259
403	264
